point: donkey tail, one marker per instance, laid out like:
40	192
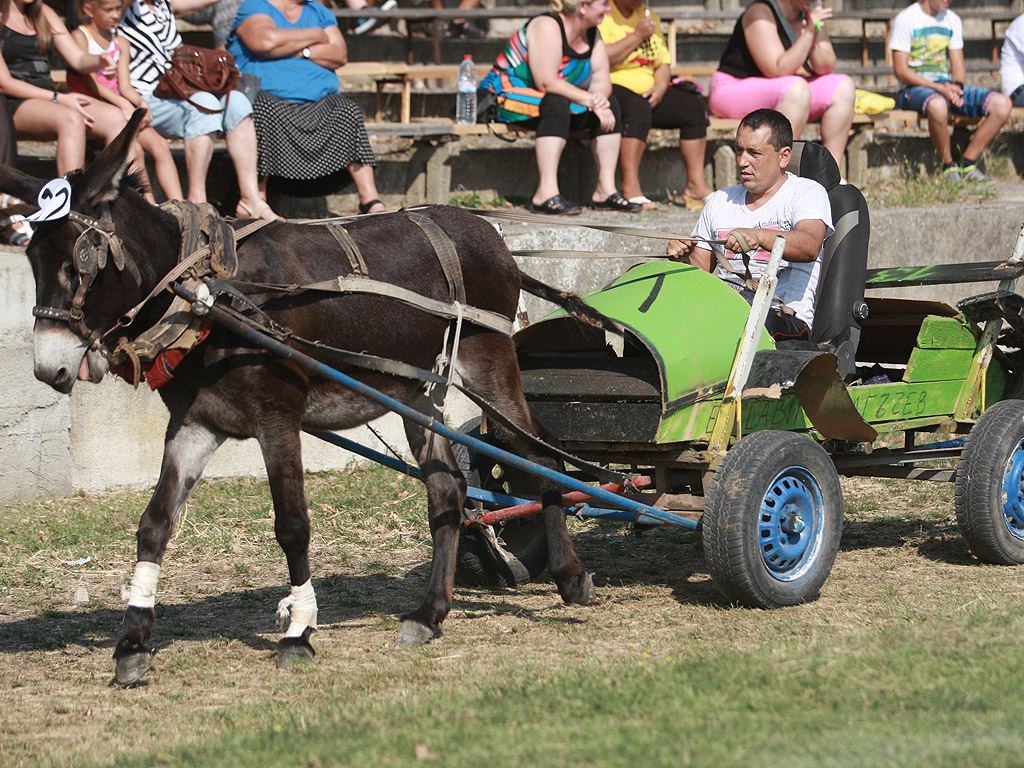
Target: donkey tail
568	301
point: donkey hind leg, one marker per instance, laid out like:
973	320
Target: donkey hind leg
282	455
186	451
493	371
446	492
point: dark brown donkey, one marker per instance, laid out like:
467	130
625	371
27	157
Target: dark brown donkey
227	387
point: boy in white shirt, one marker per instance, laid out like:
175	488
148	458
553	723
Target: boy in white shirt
1011	63
749	216
927	42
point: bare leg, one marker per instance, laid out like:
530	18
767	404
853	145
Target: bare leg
836	122
241	141
41	119
693	152
366	185
163	163
198	154
998	113
796	105
605	149
631	152
549	152
937	113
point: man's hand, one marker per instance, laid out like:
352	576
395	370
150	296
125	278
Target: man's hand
680	250
740	241
954	94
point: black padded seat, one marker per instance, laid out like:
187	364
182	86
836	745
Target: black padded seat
839	303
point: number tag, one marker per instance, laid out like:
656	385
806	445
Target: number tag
54	201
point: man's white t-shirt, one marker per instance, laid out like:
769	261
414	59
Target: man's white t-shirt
798	199
1011	60
928	40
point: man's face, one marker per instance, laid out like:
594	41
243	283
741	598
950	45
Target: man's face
759	164
932	7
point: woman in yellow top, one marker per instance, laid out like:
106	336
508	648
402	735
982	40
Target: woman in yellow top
642	83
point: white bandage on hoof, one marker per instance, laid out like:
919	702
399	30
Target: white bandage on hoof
144	580
299	609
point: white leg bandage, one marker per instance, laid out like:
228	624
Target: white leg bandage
299	609
143	591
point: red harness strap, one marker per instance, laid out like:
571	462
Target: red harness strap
161	370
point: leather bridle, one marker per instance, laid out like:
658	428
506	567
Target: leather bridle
96	241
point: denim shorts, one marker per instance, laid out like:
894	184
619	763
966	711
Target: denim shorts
177	119
916	97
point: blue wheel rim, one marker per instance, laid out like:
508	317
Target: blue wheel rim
1013	492
791	523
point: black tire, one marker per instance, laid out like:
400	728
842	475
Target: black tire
990	486
773	520
502	555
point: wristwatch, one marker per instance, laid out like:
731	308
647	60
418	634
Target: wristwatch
306	53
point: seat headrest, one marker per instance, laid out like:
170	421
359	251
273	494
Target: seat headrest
813	161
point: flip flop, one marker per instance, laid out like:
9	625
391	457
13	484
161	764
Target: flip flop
644	202
364	208
616	202
556	206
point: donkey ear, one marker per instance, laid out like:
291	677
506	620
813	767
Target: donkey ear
101	181
21	185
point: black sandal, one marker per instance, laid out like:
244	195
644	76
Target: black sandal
616	202
365	207
556	206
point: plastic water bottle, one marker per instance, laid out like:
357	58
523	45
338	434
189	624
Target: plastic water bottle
465	106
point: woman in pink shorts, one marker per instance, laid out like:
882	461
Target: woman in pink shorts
774	40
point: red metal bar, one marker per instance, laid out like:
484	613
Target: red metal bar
568	500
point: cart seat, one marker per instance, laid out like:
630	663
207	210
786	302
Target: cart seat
839	303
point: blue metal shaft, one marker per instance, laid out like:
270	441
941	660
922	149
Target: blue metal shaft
584	511
316	368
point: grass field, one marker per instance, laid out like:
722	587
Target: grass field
910	657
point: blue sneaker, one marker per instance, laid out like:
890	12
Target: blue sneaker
972	174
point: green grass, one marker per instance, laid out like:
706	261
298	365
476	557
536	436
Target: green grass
474	200
922	695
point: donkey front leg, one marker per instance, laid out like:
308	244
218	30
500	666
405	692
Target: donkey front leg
187	448
446	492
282	455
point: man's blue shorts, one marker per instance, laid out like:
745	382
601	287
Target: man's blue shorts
916	97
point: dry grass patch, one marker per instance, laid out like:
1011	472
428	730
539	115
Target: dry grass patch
902	570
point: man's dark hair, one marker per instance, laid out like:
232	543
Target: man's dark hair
781	129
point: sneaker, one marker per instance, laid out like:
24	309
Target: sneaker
951	175
362	26
972	174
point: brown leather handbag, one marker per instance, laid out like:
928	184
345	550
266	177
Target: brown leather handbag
195	69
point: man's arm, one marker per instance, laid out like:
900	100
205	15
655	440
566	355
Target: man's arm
803	242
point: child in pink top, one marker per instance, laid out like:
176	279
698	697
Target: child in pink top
98	35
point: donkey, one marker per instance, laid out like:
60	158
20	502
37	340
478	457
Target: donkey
227	387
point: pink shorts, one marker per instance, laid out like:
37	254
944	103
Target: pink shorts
736	97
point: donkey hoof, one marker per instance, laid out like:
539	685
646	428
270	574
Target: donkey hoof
130	669
585	592
413	634
292	651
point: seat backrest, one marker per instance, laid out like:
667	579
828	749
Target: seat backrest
839	303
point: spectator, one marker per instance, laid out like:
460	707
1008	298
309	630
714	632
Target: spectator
749	216
642	84
149	27
927	45
761	67
39	110
99	35
1011	63
305	127
553	76
16	231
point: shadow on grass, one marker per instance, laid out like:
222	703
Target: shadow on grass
244	616
934	539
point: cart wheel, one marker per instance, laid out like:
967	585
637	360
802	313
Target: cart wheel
990	485
500	555
773	520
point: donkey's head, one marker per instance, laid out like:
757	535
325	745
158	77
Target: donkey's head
85	272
